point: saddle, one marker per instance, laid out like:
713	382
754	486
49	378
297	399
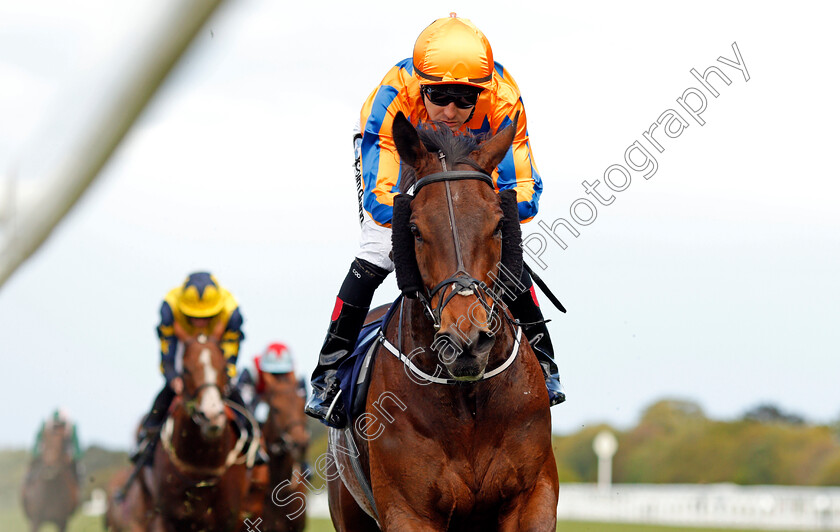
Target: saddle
355	371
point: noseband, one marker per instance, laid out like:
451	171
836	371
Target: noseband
191	398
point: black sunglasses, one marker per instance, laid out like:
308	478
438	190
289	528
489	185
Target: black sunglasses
464	97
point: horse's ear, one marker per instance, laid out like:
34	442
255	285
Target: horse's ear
491	152
218	331
407	140
180	333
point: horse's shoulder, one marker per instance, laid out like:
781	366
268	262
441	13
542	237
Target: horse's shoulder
377	313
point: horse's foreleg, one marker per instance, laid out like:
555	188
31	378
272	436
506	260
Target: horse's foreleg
398	515
406	520
158	525
535	511
346	514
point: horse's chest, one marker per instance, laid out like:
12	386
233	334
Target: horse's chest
487	480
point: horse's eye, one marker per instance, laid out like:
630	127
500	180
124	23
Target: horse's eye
415	232
498	230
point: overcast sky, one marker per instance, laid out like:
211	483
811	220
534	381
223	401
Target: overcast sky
714	280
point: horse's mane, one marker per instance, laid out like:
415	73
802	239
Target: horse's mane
437	137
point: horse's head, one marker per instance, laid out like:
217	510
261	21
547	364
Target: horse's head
449	237
205	379
285	429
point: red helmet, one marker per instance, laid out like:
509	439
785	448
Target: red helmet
276	359
453	50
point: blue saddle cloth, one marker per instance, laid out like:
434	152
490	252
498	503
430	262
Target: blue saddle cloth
354	392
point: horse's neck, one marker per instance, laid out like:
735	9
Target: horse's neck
280	468
281	465
53	455
190	445
461	401
483	413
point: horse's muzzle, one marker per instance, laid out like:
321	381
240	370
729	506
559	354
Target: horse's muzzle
288	446
465	358
211	426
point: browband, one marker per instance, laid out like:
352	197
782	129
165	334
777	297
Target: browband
453	175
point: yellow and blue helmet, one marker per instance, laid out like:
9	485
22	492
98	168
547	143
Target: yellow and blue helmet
201	296
453	50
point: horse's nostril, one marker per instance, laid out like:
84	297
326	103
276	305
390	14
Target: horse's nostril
485	342
447	347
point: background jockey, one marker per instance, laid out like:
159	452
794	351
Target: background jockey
450	79
277	359
59	420
199	305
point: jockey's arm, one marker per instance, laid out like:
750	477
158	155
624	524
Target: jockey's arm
230	341
74	442
380	163
518	169
36	448
168	342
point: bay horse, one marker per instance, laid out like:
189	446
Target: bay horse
197	478
287	439
469	451
51	491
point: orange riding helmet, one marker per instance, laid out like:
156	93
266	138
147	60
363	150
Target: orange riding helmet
453	50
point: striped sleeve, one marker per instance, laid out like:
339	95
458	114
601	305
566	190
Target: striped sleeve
517	170
380	161
168	341
231	339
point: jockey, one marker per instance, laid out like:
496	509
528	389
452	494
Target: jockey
276	359
451	79
198	306
60	419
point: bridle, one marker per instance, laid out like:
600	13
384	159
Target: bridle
189	399
461	281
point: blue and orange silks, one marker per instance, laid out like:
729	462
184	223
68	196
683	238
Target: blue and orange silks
170	313
495	110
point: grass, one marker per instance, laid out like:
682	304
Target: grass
12	520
